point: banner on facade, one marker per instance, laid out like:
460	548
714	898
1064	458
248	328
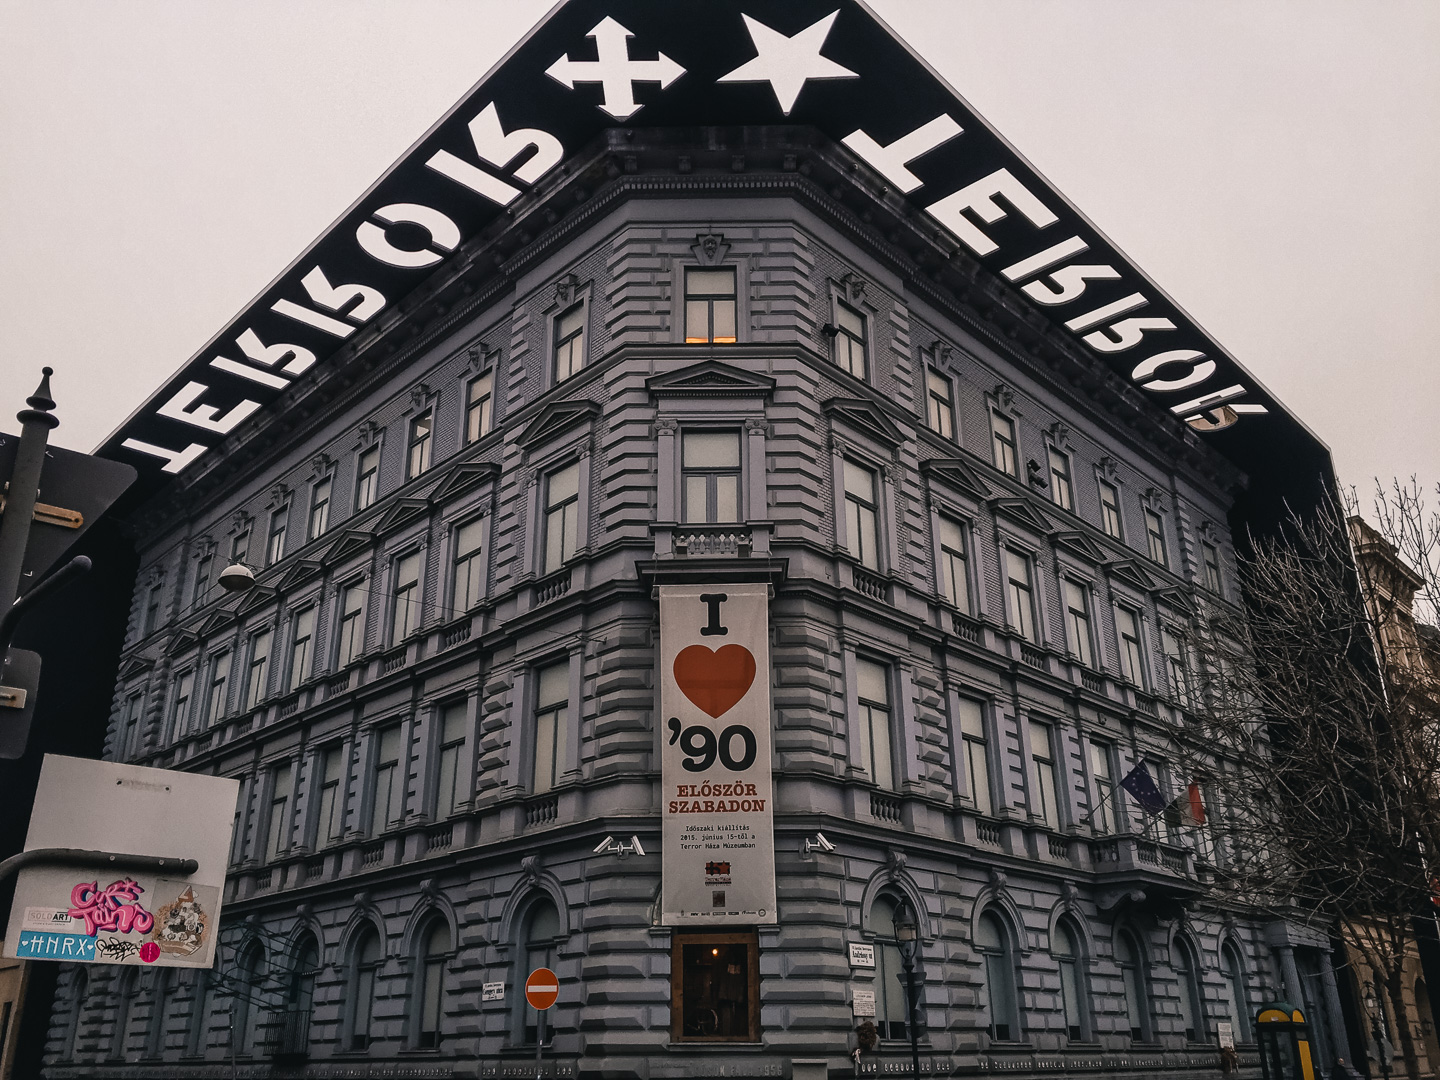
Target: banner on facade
101	915
718	829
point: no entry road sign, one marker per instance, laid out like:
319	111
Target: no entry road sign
542	988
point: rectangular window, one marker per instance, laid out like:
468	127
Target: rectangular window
278	826
367	478
1002	437
320	507
1102	818
954	573
1021	594
479	406
552	704
1110	511
1211	559
569	342
940	404
1077	621
1061	493
1155	537
301	641
130	726
861	530
850	339
715	986
710	307
389	790
203	568
452	782
151	621
710	465
331	813
255	683
1177	674
872	682
219	676
352	624
469	575
1042	753
562	516
977	765
417	458
240	546
275	545
405	595
1132	654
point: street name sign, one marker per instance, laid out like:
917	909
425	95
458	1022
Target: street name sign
100	915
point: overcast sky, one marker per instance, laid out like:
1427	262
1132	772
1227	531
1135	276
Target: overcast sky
1272	165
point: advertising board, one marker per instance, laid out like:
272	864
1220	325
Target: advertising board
718	828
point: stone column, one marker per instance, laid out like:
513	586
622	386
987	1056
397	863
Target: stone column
1290	975
1334	1016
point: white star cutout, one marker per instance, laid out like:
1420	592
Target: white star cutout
787	63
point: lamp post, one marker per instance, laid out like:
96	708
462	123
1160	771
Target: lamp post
1373	1007
908	939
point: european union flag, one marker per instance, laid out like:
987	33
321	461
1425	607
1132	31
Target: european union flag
1142	789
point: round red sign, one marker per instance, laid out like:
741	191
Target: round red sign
542	988
149	952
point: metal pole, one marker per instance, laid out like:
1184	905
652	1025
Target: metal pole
91	859
24	487
911	996
539	1042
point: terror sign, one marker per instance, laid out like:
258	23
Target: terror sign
592	64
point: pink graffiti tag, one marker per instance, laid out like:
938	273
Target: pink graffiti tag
117	908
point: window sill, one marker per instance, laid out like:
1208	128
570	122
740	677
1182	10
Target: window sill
713	1045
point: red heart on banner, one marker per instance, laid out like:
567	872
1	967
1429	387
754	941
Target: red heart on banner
714	679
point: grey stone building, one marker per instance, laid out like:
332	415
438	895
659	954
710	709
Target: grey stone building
694	356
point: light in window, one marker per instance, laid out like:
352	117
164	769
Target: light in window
469	583
319	508
275	546
552	704
710	306
1002	435
562	517
940	407
862	535
1110	510
1060	492
1021	594
478	408
367	478
418	459
954	574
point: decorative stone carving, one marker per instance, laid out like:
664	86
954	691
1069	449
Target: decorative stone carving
710	249
566	290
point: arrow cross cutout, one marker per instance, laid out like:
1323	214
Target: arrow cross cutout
615	71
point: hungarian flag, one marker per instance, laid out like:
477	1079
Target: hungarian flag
1142	789
1187	810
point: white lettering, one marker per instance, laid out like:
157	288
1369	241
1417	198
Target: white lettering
292	310
295	358
1043	260
891	160
499	149
1221	418
1109	311
1145	371
979	199
1209	401
185	407
177	459
245	371
614	70
1068	283
444	234
361	300
1125	334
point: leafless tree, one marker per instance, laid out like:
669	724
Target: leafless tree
1325	693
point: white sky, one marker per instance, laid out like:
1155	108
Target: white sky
1273	165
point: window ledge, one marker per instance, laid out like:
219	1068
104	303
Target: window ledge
716	1046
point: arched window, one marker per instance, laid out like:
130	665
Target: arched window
199	1027
366	956
245	1015
1237	1003
435	950
541	939
1187	971
1073	994
997	951
160	1006
889	972
124	995
1133	977
79	989
300	996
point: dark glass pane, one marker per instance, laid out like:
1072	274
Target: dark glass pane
715	993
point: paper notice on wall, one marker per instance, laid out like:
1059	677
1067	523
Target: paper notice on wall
715	759
863	1002
1226	1032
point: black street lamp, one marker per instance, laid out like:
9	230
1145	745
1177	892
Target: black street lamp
907	937
1373	1007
